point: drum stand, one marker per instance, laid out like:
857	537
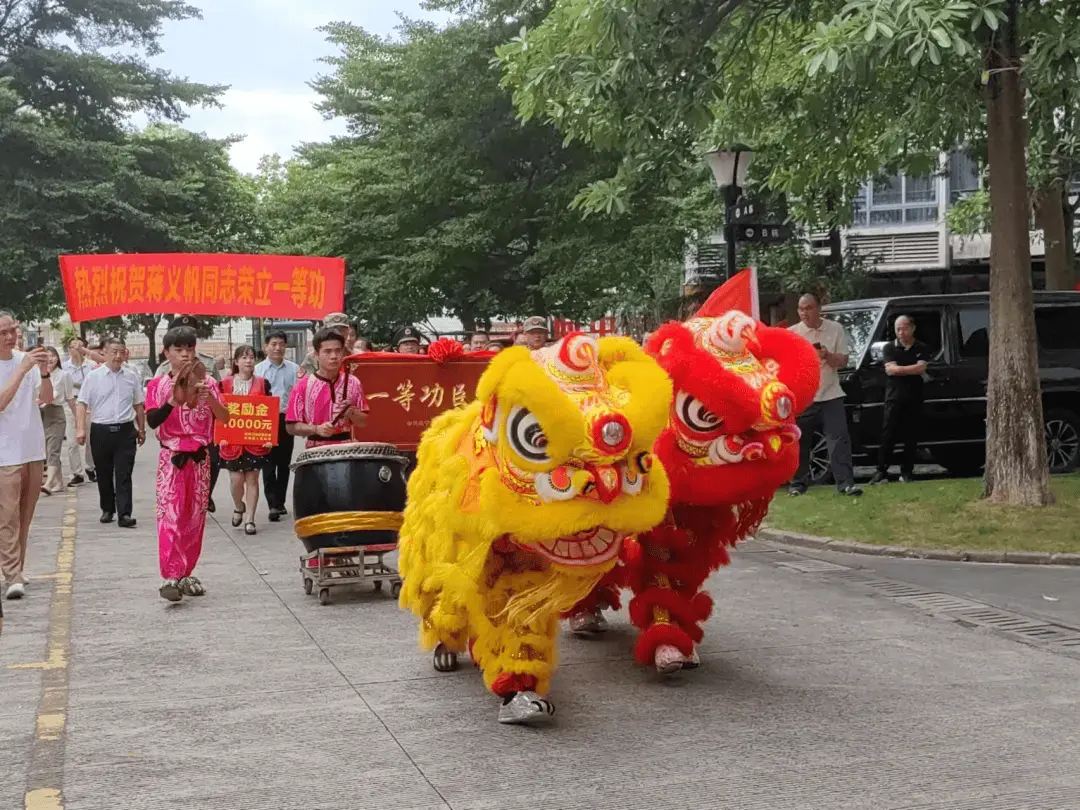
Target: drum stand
328	568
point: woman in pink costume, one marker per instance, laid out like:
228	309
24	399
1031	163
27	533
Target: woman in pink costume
182	407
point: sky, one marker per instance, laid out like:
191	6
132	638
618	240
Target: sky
267	51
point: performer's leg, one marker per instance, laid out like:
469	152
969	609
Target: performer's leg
666	573
169	504
195	484
587	617
517	660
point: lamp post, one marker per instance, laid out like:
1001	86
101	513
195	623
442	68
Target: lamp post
729	171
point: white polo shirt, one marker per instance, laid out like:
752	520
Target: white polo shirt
22	434
833	338
111	395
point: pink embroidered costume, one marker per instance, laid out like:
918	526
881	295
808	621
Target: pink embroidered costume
314	401
183	475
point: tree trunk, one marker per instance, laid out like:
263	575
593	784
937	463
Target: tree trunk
1050	206
1016	466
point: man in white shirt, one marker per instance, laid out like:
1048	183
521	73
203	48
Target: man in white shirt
77	366
281	375
115	399
22	448
827	412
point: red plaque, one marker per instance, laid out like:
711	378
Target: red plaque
406	391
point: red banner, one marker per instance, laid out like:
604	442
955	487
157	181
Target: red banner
229	284
406	391
253	420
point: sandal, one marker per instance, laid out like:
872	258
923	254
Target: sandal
249	528
237	517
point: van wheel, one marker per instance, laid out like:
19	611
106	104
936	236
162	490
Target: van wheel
819	460
1062	430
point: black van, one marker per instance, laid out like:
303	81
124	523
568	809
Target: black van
956	328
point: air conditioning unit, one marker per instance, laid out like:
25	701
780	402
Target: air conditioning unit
910	250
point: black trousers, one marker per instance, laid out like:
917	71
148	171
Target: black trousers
901	426
276	471
215	467
113	450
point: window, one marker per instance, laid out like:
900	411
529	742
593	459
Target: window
859	325
963	176
1058	327
974	332
896	200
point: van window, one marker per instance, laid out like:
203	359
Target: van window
1058	327
974	332
859	325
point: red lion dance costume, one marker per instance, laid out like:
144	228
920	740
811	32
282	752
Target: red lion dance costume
730	442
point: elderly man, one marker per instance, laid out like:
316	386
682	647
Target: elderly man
535	330
115	400
827	412
905	364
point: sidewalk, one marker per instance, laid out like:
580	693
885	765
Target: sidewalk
811	695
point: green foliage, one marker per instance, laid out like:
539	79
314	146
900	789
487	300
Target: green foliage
970	215
442	201
70	75
791	269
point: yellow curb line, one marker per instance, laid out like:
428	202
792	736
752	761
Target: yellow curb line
44	782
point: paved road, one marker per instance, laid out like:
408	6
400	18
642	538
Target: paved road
1050	592
814	693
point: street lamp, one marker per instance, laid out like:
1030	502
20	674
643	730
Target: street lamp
729	171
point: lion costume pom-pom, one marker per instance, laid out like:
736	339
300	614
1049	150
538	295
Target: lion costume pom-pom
520	503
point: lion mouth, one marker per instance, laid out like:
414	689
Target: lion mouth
591	547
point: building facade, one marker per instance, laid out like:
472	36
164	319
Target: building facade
899	226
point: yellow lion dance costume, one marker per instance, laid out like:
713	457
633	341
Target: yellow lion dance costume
519	504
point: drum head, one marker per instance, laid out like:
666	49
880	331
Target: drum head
350	451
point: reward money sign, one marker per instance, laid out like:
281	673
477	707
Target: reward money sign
253	420
226	284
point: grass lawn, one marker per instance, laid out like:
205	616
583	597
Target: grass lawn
934	514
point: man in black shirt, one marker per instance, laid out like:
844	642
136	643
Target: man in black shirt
905	363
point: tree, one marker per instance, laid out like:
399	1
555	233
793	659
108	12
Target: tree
908	78
182	195
440	200
70	76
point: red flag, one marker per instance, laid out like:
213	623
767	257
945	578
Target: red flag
738	292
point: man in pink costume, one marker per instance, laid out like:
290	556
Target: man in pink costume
182	406
324	406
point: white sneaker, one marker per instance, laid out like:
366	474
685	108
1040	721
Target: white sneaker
16	590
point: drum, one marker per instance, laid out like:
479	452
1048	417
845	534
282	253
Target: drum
349	494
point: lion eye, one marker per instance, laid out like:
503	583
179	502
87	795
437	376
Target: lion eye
693	413
526	436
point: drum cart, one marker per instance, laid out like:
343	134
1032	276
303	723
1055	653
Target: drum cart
327	568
